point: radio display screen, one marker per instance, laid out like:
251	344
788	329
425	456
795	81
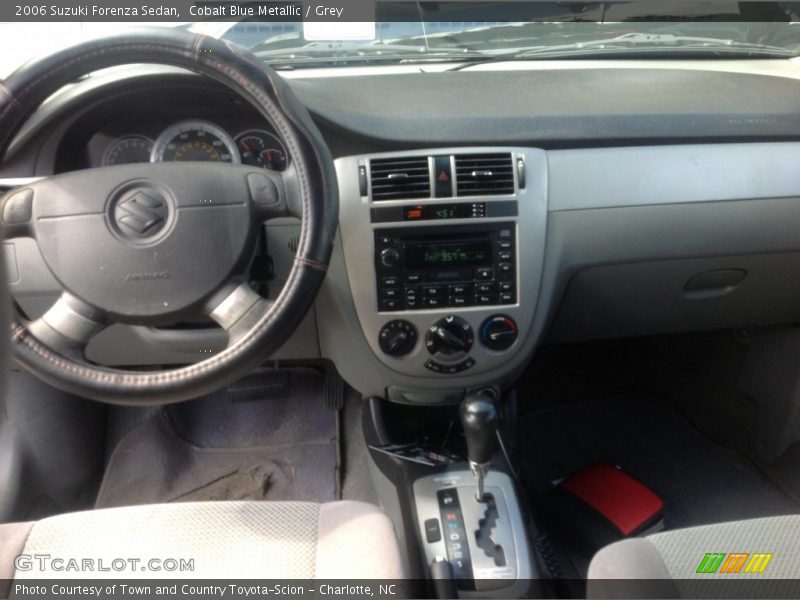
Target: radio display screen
435	212
467	253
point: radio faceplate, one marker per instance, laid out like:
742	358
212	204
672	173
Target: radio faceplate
445	267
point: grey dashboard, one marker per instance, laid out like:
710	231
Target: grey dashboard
654	201
554	107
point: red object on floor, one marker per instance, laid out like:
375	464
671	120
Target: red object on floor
622	500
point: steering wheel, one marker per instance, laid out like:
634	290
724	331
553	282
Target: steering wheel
150	244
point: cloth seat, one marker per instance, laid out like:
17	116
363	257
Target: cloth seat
225	540
677	563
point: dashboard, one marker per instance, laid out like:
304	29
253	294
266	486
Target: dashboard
481	213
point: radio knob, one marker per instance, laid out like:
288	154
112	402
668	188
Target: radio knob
498	332
450	338
390	257
397	338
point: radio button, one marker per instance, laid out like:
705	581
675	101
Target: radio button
391	293
413	276
413	299
507	298
485	288
434	291
390	282
485	298
507	286
458	301
484	274
390	304
461	289
505	267
433	302
504	245
504	255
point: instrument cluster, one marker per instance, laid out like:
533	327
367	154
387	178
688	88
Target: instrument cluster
198	140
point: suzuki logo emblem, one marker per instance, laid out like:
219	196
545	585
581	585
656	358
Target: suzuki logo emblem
141	215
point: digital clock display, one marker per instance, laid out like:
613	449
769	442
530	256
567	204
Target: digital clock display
468	253
435	212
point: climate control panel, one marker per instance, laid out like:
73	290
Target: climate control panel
417	256
448	341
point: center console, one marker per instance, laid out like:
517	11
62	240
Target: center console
444	251
471	520
484	542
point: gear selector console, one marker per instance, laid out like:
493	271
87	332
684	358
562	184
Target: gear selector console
485	542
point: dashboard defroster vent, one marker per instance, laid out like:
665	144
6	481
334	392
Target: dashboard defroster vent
400	178
484	174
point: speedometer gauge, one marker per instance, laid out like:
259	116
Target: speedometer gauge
261	149
194	140
128	149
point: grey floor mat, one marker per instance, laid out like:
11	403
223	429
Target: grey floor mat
699	481
267	437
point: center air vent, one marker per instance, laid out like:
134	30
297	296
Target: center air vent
484	174
399	178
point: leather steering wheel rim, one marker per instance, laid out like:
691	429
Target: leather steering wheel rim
314	188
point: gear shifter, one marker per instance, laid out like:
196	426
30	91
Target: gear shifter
479	419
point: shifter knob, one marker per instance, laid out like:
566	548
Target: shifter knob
479	419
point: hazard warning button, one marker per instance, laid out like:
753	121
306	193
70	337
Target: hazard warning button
443	177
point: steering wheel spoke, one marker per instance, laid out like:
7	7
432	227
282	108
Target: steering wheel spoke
16	209
239	311
268	194
68	326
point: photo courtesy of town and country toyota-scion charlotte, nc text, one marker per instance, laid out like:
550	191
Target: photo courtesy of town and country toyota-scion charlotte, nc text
179	10
201	589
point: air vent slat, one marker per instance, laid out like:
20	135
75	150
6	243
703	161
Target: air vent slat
484	174
391	169
400	178
467	160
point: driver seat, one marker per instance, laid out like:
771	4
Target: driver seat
223	540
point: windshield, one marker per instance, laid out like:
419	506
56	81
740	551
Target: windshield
436	32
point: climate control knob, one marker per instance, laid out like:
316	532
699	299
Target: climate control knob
397	338
450	338
498	332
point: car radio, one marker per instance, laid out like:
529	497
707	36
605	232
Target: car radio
445	267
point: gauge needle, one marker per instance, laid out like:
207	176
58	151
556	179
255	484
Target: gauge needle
246	147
